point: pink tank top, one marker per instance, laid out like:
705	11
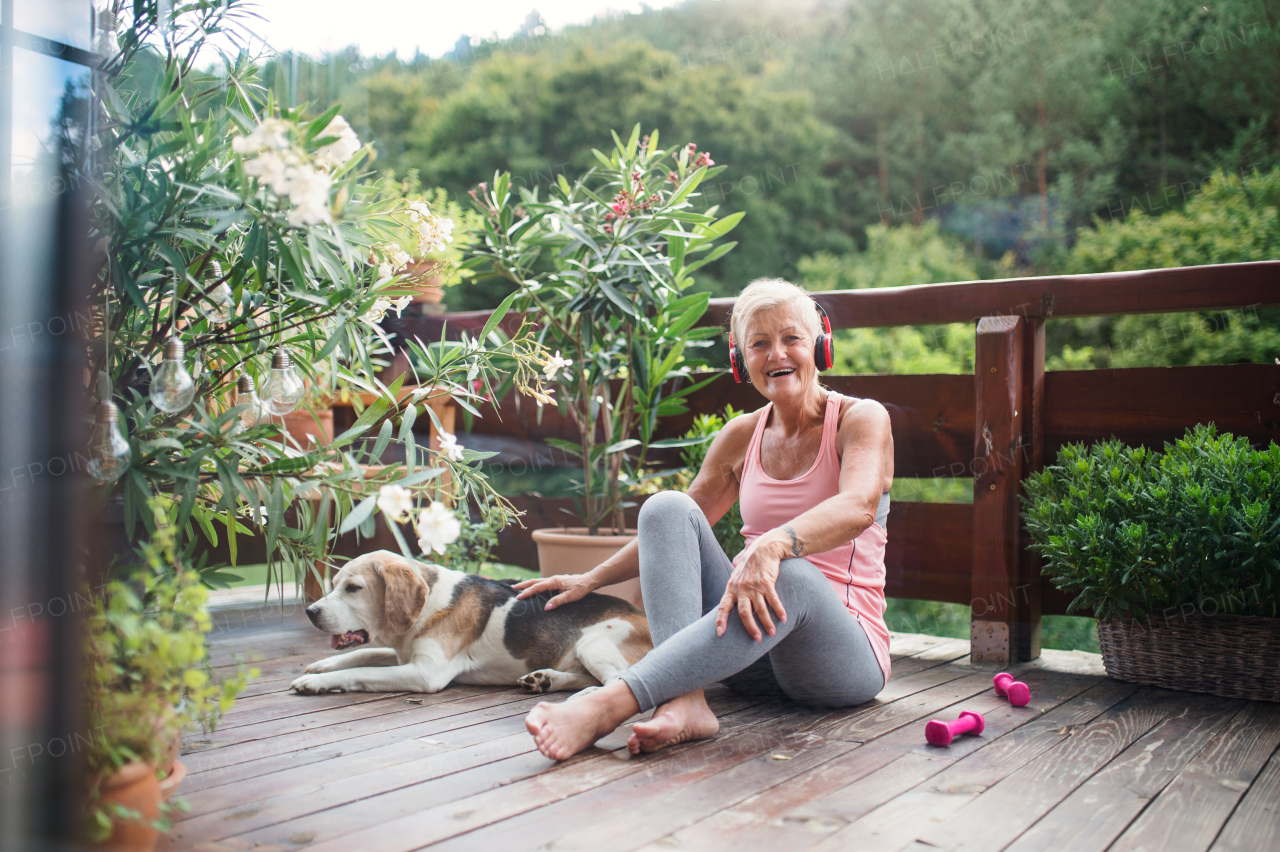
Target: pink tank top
855	569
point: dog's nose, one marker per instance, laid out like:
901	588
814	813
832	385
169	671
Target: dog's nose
313	612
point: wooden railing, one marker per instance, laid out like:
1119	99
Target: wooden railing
996	425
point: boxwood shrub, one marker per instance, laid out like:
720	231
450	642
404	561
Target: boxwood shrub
1132	531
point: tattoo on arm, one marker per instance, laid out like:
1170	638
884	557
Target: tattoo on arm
796	547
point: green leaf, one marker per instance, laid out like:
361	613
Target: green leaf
682	442
421	476
497	315
314	128
621	445
716	253
384	438
358	515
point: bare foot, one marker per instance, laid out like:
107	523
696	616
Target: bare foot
679	720
562	730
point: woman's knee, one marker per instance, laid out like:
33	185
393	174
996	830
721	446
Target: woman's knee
799	576
663	507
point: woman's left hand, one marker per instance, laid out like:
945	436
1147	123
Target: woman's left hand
751	591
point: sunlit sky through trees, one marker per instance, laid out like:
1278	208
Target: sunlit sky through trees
406	26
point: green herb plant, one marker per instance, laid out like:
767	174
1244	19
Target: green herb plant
1131	531
148	669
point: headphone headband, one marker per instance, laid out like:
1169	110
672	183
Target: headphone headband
823	348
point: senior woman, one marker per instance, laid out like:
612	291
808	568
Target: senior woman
811	470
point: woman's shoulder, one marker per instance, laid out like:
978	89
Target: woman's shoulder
859	413
740	429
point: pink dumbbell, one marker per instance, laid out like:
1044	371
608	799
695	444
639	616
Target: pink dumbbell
941	733
1016	691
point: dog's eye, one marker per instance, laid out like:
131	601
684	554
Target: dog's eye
353	588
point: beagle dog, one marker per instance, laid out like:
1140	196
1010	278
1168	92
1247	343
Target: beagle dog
429	625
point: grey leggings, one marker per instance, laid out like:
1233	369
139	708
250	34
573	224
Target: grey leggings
819	656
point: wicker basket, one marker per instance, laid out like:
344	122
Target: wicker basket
1228	655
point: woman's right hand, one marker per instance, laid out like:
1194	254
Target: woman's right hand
571	587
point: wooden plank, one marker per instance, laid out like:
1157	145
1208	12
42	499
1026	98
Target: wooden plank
204	752
1193	808
932	418
644	814
1003	811
594	814
930	552
1033	426
286	753
1256	823
797	814
1100	809
894	824
1005	617
1152	405
1190	288
286	705
463	797
380	774
581	774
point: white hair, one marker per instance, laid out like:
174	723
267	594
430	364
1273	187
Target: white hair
767	294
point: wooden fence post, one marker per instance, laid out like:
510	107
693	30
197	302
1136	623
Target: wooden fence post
1008	443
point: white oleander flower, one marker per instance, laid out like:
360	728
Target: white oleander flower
271	134
450	448
434	232
270	170
555	364
336	153
419	210
378	310
309	194
396	502
437	527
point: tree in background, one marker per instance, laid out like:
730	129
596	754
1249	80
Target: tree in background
1232	220
1009	123
898	257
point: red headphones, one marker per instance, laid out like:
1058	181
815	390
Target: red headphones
823	350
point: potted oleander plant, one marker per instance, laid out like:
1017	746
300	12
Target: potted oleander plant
248	253
1175	552
605	267
244	256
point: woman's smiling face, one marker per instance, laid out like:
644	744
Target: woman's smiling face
779	353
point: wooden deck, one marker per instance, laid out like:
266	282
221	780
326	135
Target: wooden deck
1090	764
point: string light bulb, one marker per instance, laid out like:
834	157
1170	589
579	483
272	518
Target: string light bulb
109	452
108	47
172	388
283	390
219	303
246	395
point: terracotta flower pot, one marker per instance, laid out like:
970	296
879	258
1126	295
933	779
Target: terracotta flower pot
134	787
169	786
572	551
301	426
427	288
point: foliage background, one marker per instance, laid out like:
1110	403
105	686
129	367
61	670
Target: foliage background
1008	133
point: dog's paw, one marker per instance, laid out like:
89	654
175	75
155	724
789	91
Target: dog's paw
314	685
535	683
320	667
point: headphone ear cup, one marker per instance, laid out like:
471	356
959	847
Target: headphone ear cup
737	364
822	352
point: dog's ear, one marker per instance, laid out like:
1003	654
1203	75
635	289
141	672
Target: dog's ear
405	596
